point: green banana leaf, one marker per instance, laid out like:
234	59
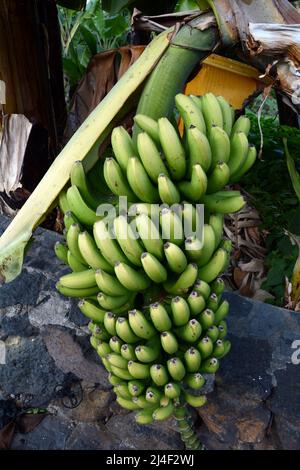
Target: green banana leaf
84	144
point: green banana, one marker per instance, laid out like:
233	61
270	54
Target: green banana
90	253
205	347
63	202
115	179
122	146
218	178
153	395
127	240
127	404
110	326
222	204
221	312
216	221
130	278
212	112
197	100
159	374
79	179
121	373
213	333
125	332
176	368
248	163
210	366
196	302
194	381
109	284
121	390
175	257
168	192
109	248
103	348
193	247
80	280
192	359
143	403
169	342
148	125
136	387
160	317
172	148
90	310
72	242
180	311
190	332
150	236
219	349
151	210
206	318
163	412
140	325
74	263
228	115
219	144
69	219
222	327
213	302
140	182
192	218
144	416
61	251
194	189
214	267
195	400
113	379
172	390
150	156
117	361
184	281
239	147
127	351
242	124
148	352
202	288
227	347
94	342
138	370
190	112
80	208
100	333
199	149
115	344
106	364
109	302
171	226
153	268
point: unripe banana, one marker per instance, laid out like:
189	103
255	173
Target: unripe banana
153	268
163	412
208	245
196	302
61	252
130	278
219	177
195	400
80	209
103	348
206	318
122	146
221	312
106	364
199	150
219	144
122	373
90	253
99	332
213	333
127	351
210	366
115	179
227	347
110	325
190	332
90	310
114	380
74	264
180	413
216	221
127	404
115	344
117	361
121	390
143	403
205	347
226	245
160	317
172	148
176	368
63	202
125	332
169	342
127	241
171	226
79	179
242	124
219	203
148	125
140	325
222	327
109	248
94	342
192	359
70	219
148	352
175	256
72	242
159	374
211	111
136	387
150	235
138	370
180	311
202	288
168	192
153	395
140	182
193	247
150	156
144	416
108	302
228	115
190	112
219	349
194	189
213	302
239	147
197	101
184	281
172	390
80	293
151	210
214	267
109	284
248	163
195	381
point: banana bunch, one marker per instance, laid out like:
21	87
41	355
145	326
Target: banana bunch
147	280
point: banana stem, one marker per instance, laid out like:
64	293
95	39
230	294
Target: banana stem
186	429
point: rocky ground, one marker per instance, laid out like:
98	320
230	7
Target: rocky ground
47	367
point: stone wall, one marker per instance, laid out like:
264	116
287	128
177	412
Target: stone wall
46	361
